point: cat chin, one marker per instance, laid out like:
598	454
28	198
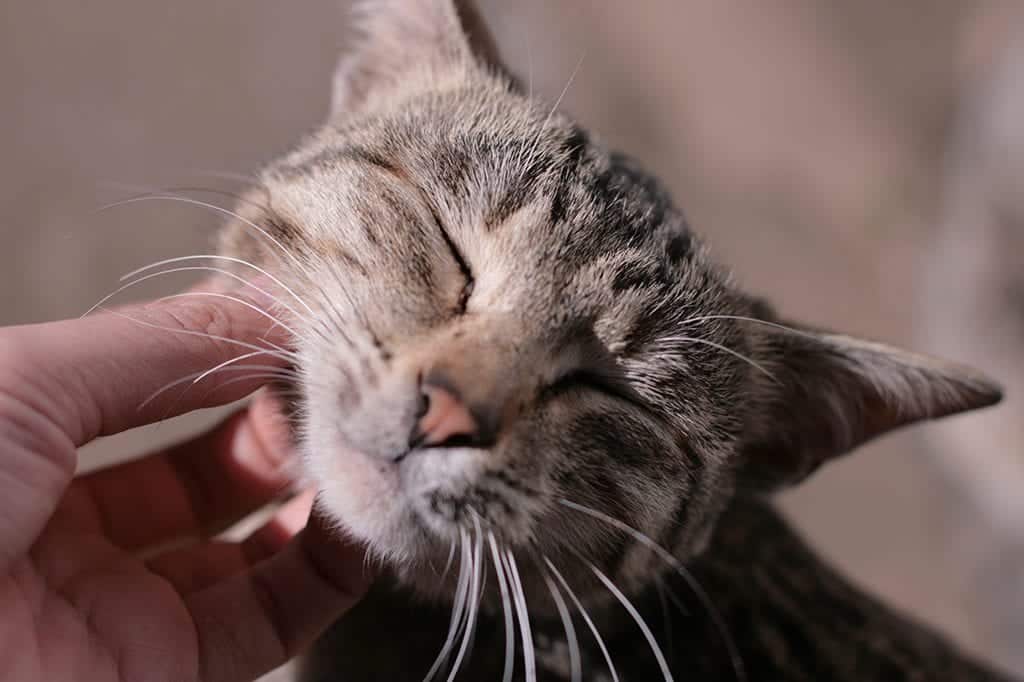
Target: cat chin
409	511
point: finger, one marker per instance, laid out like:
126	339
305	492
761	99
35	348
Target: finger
202	565
259	619
192	489
96	376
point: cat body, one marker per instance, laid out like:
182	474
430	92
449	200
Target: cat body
522	382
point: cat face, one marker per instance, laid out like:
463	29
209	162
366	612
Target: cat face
509	335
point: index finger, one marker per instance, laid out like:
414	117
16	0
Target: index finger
104	373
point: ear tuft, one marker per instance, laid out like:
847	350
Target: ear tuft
406	44
832	393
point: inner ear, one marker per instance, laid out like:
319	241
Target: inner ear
829	393
480	39
407	46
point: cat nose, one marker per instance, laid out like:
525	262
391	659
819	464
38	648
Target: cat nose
444	419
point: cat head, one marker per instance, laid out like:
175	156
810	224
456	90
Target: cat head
509	335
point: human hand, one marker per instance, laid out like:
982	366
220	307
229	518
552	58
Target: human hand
77	600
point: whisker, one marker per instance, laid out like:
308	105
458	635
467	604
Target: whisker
192	268
484	575
457	606
543	129
143	191
530	58
641	623
474	604
565	90
198	376
506	608
529	654
754	320
570	630
448	563
724	349
238	380
241	178
281	252
229	259
218	209
228	363
235	299
716	618
286	355
586	618
264	378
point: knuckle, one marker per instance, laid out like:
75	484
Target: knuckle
199	318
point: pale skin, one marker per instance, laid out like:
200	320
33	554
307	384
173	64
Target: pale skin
83	596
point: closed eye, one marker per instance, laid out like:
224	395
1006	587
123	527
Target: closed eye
593	380
460	260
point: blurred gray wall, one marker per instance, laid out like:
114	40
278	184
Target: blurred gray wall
802	137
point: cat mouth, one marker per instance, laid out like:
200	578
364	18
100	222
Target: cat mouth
452	488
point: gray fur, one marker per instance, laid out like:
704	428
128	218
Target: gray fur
441	222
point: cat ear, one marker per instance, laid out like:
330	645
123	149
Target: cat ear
829	393
399	39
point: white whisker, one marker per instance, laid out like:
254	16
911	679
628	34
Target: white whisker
143	191
193	268
189	332
716	618
238	380
227	363
529	654
235	299
474	604
724	349
448	563
641	623
506	607
570	629
565	90
529	57
241	178
197	376
227	259
586	618
742	318
218	209
458	605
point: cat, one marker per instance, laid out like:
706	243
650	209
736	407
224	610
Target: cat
521	380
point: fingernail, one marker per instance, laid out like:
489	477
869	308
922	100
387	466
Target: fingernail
294	515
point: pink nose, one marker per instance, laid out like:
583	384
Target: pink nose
444	419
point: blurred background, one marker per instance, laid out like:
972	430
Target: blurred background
855	160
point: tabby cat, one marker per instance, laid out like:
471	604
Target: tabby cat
522	382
